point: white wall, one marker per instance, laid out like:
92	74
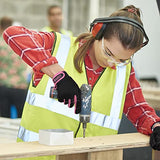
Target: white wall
147	60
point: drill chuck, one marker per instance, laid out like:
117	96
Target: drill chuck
84	118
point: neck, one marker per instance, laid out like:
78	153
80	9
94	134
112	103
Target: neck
93	58
54	28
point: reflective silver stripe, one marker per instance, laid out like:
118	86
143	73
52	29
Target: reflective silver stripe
105	121
61	56
118	91
112	121
99	119
63	50
26	135
57	107
43	101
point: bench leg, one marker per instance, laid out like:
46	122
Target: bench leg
106	155
103	155
155	155
79	156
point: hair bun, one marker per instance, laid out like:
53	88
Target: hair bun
132	9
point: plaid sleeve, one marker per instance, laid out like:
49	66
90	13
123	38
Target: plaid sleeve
137	109
33	47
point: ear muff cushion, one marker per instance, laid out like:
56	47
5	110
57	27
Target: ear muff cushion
97	30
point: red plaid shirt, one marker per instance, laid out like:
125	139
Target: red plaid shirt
35	49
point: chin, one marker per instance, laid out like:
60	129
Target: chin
105	65
109	65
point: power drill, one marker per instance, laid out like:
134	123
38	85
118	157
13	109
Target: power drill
85	113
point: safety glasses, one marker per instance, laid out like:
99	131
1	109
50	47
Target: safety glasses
120	62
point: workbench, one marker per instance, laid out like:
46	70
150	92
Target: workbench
91	148
94	148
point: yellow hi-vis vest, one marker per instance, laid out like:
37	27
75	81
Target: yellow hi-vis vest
108	96
63	31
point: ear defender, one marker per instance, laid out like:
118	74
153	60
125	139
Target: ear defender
98	30
98	26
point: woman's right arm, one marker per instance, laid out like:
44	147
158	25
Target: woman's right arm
34	48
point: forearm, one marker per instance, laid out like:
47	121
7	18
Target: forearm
137	110
143	117
33	47
52	69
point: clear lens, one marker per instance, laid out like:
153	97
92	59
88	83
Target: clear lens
112	60
121	63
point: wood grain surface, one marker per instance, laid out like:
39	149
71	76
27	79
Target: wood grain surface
81	145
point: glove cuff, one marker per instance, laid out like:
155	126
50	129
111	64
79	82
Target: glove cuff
58	77
157	129
154	125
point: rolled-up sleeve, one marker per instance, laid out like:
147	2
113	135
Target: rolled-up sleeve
137	109
33	47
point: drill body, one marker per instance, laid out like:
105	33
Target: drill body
85	113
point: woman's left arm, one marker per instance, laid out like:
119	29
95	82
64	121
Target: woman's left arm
137	109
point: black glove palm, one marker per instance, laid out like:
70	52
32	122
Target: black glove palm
68	90
155	139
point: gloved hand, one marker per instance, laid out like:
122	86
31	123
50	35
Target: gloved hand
68	90
155	138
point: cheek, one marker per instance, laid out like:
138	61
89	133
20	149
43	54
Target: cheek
102	59
100	56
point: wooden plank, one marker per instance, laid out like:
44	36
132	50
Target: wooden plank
79	156
153	101
10	121
152	96
151	91
155	155
81	145
108	155
8	129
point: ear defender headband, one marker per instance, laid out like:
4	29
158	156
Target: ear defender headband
98	26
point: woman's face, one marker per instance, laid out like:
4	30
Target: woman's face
115	51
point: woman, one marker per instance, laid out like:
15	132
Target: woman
101	60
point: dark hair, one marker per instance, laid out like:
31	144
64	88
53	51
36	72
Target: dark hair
5	22
52	7
129	36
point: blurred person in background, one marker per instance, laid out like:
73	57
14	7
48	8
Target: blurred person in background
55	18
13	74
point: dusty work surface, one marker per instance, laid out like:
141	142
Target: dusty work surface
81	145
